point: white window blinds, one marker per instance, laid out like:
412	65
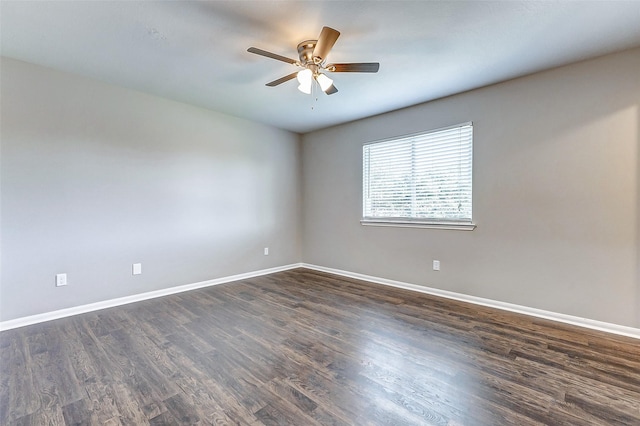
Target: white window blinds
424	177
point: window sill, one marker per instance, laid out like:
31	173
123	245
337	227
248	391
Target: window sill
455	226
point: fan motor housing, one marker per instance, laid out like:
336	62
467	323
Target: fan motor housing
305	51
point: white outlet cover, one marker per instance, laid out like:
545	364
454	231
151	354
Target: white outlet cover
436	265
61	280
266	251
137	268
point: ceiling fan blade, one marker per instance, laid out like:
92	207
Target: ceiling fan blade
331	90
282	79
327	39
354	67
271	55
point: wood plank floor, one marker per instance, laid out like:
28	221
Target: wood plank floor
306	348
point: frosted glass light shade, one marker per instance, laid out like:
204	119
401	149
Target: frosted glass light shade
324	81
305	78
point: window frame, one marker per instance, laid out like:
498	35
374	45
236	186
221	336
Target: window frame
407	222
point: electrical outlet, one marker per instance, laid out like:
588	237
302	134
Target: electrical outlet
436	265
266	251
137	268
61	280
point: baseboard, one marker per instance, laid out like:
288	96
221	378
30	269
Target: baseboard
62	313
554	316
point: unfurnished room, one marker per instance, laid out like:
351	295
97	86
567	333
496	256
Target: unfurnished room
320	212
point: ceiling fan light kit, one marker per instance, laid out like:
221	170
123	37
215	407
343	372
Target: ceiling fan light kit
312	56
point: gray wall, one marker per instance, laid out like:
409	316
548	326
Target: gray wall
95	178
556	189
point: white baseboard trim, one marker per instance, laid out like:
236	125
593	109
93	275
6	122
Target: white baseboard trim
554	316
67	312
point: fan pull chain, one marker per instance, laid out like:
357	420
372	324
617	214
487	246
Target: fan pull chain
313	95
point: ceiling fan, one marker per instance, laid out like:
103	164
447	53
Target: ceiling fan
313	55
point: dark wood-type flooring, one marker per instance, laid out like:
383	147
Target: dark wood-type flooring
306	348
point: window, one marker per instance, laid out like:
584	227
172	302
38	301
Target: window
421	180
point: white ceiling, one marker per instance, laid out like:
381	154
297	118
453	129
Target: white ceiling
195	52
